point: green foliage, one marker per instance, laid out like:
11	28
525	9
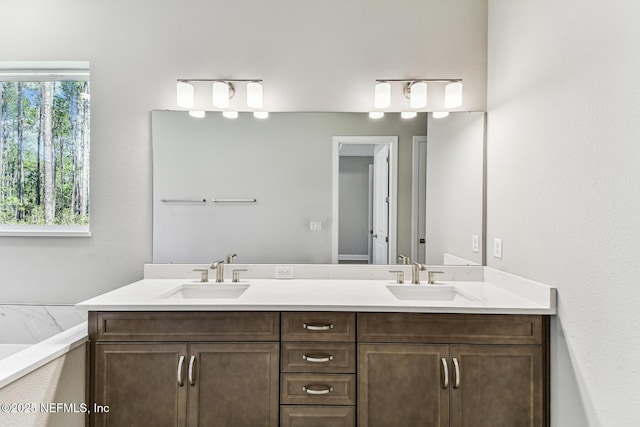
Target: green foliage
69	118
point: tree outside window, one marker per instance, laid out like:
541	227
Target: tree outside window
44	152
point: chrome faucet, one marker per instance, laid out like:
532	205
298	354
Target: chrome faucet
219	266
416	267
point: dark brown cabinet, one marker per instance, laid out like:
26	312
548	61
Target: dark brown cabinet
416	373
159	383
319	369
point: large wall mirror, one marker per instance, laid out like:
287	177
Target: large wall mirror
317	188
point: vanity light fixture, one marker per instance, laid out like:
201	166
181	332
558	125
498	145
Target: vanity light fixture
408	114
382	95
198	114
415	90
376	114
453	95
261	114
440	114
230	114
417	94
185	94
222	90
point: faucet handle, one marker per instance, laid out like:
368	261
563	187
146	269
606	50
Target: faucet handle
204	274
231	258
399	276
431	274
236	275
404	259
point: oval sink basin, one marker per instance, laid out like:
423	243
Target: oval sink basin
206	291
429	293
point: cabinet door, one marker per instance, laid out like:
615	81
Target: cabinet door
402	385
496	386
317	416
140	383
233	384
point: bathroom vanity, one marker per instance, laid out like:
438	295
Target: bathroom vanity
320	352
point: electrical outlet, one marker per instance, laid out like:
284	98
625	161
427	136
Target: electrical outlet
315	226
475	243
497	247
284	272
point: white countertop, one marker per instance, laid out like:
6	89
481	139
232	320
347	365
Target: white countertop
509	295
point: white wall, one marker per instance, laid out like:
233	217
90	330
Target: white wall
313	56
564	188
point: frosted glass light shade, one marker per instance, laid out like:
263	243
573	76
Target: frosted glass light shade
418	96
198	114
382	96
230	114
440	114
376	115
220	94
453	95
261	114
185	95
254	95
408	114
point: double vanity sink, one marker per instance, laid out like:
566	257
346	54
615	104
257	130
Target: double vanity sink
215	291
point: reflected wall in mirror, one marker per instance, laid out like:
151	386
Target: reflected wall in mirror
449	191
284	163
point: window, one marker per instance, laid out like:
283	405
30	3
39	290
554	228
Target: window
44	149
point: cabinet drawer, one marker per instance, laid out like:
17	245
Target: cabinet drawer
186	326
321	326
317	416
449	328
319	357
318	389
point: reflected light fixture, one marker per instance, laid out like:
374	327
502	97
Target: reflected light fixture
440	114
230	114
453	95
408	114
382	95
198	114
185	94
261	114
254	95
417	94
376	114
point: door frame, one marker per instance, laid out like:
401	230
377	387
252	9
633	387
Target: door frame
416	198
392	141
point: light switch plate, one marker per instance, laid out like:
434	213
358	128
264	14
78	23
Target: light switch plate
315	226
497	247
475	243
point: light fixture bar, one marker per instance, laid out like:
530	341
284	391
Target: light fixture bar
220	80
419	80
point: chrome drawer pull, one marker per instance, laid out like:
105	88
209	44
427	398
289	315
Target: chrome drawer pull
456	365
312	327
317	389
445	372
317	358
180	363
192	380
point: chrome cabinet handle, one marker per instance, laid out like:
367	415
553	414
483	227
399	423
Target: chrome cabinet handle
445	372
317	389
312	327
180	363
317	358
456	365
192	380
